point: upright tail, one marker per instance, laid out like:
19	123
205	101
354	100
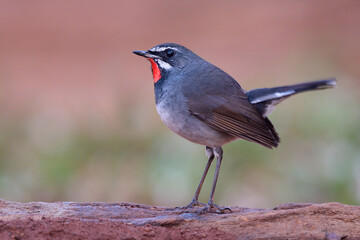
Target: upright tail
265	99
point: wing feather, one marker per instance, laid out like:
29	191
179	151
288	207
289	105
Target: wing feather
224	106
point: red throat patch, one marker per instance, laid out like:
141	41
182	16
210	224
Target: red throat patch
155	70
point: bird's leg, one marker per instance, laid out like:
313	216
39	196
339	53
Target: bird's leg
195	200
210	206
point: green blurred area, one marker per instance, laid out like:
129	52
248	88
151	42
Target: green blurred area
317	161
94	135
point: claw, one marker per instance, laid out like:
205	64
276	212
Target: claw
213	208
194	202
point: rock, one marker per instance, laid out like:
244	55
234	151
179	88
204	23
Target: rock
70	220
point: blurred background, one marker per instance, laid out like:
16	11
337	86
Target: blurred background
77	112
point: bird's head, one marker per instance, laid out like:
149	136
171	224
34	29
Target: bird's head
166	59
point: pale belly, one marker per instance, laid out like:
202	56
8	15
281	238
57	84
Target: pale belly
180	121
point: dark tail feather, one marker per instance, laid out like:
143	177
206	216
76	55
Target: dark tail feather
265	99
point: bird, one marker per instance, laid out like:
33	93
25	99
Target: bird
205	105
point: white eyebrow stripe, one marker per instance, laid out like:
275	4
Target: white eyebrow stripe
160	49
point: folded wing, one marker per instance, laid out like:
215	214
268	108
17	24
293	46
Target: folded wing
224	106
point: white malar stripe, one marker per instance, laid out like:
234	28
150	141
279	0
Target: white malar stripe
161	49
162	64
272	96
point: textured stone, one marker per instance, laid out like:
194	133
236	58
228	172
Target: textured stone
69	220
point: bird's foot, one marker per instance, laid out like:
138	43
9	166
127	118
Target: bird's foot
213	208
210	207
194	202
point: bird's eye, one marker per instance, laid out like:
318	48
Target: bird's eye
169	52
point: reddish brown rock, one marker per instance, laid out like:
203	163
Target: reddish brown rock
69	220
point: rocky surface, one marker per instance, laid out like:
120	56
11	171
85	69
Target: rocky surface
69	220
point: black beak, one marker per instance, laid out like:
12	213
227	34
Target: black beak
145	54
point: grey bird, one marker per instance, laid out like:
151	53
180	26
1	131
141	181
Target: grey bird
205	105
